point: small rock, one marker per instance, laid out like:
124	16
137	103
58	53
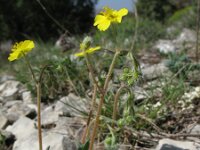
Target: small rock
27	97
22	110
65	106
33	106
22	128
6	78
155	71
9	104
69	126
195	129
9	90
168	144
165	46
140	94
186	35
12	117
49	116
54	141
3	121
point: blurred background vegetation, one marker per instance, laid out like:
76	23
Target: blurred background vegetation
21	18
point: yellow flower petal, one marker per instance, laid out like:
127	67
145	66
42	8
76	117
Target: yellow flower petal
92	49
14	56
122	12
79	54
20	49
104	25
88	51
99	19
101	22
107	16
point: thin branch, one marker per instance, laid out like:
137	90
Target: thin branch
50	16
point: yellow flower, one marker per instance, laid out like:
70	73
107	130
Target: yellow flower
88	51
20	49
106	17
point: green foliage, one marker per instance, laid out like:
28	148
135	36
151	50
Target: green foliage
110	140
84	146
155	9
62	73
173	91
149	31
160	10
2	142
177	62
183	18
63	76
20	18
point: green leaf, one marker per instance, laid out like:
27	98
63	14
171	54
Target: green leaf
84	146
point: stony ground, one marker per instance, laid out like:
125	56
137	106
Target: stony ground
63	125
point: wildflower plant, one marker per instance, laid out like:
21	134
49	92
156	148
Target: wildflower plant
85	47
103	21
20	50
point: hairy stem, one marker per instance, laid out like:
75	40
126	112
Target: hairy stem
92	72
90	114
116	102
30	68
96	124
110	70
38	87
51	17
39	114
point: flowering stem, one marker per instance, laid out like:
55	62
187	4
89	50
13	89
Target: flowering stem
116	102
90	114
110	70
92	72
38	85
30	68
96	124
